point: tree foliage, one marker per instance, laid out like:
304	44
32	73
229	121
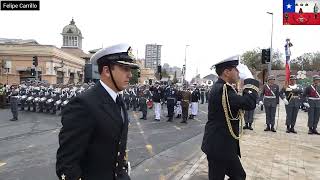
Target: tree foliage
134	79
252	59
307	62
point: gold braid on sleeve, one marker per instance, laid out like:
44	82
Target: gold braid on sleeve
228	113
250	86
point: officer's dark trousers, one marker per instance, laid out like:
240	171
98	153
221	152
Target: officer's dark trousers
248	116
313	117
292	113
2	101
270	114
170	106
14	107
144	110
232	168
202	99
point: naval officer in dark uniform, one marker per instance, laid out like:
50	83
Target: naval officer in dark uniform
221	136
93	137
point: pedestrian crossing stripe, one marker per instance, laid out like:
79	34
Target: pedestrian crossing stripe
2	163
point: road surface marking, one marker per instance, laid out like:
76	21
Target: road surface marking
148	145
2	163
204	112
149	148
194	167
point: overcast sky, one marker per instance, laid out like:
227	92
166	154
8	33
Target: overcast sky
214	30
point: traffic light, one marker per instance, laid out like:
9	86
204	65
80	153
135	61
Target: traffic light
159	69
33	72
35	61
265	56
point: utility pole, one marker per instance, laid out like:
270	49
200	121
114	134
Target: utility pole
271	51
185	64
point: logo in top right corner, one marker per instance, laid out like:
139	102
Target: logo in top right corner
301	12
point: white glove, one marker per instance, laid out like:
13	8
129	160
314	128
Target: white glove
129	168
260	103
288	89
285	101
306	105
244	71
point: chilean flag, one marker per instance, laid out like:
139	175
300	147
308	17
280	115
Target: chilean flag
301	12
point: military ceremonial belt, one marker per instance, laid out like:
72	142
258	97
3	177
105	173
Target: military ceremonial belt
270	97
314	98
185	100
294	96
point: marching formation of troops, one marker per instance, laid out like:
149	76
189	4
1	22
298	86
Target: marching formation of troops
38	97
180	101
34	97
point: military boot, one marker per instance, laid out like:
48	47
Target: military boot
250	126
267	128
292	130
315	131
288	129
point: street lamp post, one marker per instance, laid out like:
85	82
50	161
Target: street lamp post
185	64
271	51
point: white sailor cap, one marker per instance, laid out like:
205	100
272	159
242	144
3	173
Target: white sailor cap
293	77
316	77
118	54
271	77
229	62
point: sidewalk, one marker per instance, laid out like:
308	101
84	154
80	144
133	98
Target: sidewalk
274	156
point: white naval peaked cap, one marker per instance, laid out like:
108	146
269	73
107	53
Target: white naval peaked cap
232	61
118	54
316	77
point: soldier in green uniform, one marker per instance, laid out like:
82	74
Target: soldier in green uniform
185	100
144	96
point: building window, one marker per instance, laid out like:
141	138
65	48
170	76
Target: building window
65	41
75	43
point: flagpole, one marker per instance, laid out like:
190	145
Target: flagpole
271	51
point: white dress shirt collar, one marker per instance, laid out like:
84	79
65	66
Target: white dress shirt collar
111	92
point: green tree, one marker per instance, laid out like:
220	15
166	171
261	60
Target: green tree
164	73
175	80
303	62
277	60
252	59
134	79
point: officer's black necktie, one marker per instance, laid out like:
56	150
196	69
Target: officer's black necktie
120	104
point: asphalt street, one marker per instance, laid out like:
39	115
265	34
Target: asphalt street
28	146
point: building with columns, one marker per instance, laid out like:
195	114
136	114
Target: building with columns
55	65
